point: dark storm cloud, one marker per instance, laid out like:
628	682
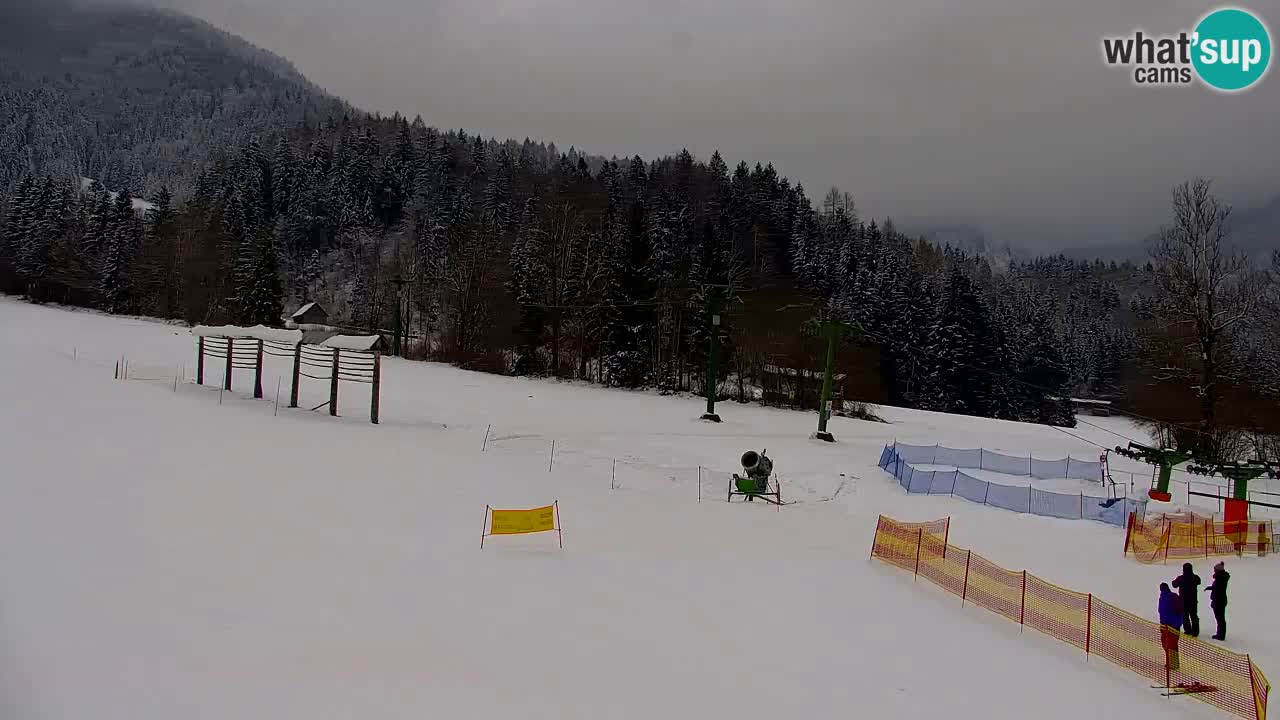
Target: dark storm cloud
999	112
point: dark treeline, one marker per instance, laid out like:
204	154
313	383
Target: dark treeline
516	258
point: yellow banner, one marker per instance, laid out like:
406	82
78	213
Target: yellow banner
519	522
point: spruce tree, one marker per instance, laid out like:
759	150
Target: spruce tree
98	223
116	272
529	277
629	319
1046	375
284	178
159	218
33	253
958	345
258	289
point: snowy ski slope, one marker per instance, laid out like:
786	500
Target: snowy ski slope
164	556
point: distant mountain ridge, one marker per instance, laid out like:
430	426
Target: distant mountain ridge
1255	230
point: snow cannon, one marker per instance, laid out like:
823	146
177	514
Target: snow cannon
756	480
757	464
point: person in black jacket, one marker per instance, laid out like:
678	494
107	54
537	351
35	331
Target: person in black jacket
1188	583
1218	599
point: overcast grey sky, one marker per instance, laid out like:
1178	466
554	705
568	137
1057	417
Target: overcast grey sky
992	111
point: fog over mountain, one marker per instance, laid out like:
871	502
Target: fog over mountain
994	113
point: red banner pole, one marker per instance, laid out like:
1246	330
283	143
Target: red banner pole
483	524
964	592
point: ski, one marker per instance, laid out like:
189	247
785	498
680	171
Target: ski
1184	689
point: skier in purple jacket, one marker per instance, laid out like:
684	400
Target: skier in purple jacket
1170	609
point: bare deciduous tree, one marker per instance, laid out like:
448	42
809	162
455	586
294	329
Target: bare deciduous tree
1206	289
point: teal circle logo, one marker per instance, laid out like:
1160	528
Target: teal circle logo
1232	49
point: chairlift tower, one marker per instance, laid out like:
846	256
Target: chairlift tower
1164	459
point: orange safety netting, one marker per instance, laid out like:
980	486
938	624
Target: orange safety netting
1192	536
901	542
1224	679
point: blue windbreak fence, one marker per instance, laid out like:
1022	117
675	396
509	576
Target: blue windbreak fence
900	461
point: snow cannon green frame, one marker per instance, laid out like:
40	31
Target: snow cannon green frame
1163	459
757	480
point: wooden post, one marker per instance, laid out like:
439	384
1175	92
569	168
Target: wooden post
297	374
1088	627
1022	616
333	385
375	401
1128	533
226	381
964	592
200	360
946	535
879	520
1168	533
257	374
919	542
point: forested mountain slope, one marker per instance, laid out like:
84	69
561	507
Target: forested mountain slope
516	257
135	97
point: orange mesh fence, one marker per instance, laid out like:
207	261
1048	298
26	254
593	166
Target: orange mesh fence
1128	641
994	588
1058	612
1147	541
1160	539
1162	655
900	543
1187	517
947	570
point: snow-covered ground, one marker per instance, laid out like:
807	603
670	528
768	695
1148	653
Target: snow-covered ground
174	553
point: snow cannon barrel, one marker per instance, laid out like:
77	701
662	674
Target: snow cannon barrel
757	464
